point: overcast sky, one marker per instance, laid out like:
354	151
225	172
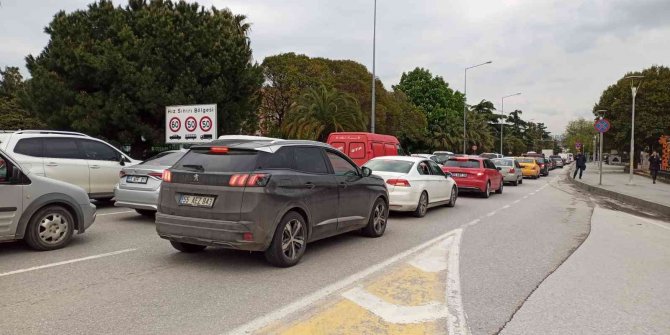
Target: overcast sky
560	54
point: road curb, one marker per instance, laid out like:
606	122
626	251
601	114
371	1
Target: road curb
648	205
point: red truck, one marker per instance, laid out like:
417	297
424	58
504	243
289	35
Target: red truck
362	147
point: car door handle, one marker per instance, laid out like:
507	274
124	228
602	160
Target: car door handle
51	164
94	166
343	185
310	185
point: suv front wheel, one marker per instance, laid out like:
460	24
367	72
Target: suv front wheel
377	221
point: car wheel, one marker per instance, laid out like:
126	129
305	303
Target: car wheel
422	206
500	189
187	247
516	182
453	197
521	181
487	191
50	228
377	222
289	241
146	212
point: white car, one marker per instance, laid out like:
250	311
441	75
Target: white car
414	183
432	157
71	157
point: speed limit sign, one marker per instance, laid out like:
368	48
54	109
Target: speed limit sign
175	124
191	124
205	123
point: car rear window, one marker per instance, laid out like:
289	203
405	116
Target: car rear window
389	165
467	164
167	158
201	160
526	160
503	162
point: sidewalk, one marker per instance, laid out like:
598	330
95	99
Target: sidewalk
642	193
615	283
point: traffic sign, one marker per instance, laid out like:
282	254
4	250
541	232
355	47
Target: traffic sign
175	124
205	123
190	124
602	125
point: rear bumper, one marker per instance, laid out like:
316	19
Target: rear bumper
530	173
227	234
403	199
465	184
510	178
136	199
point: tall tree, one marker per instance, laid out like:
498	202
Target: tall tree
12	91
110	71
321	111
580	131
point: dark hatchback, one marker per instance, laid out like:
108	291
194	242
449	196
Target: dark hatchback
273	196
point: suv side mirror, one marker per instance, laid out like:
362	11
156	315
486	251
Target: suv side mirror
366	171
122	161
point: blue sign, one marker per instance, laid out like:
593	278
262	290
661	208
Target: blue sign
602	125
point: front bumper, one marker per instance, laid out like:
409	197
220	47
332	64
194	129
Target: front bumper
136	199
403	199
227	234
89	212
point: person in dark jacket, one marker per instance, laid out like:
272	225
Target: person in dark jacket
654	165
580	165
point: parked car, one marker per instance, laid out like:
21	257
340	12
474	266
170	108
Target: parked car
442	156
529	167
490	155
270	196
510	169
362	147
75	158
139	185
414	183
42	211
557	160
473	173
433	158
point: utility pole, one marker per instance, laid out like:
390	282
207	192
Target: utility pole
633	90
374	42
465	102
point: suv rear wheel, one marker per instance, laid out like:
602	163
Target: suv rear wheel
289	241
50	228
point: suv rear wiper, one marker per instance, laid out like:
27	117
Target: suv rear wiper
195	167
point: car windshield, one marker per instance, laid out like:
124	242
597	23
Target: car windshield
167	158
389	165
527	160
503	162
461	163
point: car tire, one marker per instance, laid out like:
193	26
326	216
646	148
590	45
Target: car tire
516	182
146	212
50	228
521	181
289	241
487	191
500	189
188	247
453	197
422	205
378	218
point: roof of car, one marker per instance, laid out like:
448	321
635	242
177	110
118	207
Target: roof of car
401	158
255	142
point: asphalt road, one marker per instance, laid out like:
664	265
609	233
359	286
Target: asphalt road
121	278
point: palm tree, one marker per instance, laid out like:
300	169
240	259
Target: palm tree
321	111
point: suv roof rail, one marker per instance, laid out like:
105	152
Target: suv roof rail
57	132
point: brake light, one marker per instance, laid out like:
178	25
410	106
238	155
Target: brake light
218	150
122	174
249	180
512	170
479	174
156	175
167	176
541	166
398	182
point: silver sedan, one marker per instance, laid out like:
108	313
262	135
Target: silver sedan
139	185
510	169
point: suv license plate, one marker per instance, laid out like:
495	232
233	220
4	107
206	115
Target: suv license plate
136	179
196	201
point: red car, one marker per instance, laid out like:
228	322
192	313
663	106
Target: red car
473	173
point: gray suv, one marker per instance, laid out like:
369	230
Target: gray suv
267	195
44	212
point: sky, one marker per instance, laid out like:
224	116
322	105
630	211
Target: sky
559	54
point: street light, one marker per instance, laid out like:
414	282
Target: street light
502	110
600	156
465	94
374	40
633	90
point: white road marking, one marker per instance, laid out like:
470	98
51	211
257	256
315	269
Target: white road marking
434	259
654	223
516	201
456	323
506	207
395	313
491	214
472	223
114	213
65	262
525	197
310	299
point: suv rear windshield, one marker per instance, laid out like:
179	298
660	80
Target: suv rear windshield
201	160
389	165
167	158
469	164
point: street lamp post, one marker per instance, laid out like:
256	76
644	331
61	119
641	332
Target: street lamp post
633	90
374	40
600	155
502	110
465	97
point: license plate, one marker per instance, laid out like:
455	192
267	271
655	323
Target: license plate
136	179
460	175
196	200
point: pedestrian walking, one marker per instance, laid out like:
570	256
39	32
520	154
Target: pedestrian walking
580	165
654	165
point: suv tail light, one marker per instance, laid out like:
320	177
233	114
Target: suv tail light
156	175
398	182
122	174
512	170
249	180
167	176
218	150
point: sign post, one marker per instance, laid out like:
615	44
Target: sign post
190	124
602	125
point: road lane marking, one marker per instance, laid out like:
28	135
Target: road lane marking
516	201
40	267
433	260
114	213
302	303
456	323
394	313
654	223
506	207
472	223
525	197
491	214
